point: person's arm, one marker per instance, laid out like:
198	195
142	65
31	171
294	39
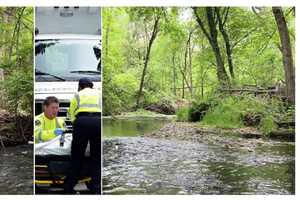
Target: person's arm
72	109
62	123
41	135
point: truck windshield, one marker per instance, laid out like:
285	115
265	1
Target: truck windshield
67	60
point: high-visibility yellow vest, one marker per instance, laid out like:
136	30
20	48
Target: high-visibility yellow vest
86	100
44	128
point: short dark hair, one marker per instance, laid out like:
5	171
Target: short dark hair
49	100
84	83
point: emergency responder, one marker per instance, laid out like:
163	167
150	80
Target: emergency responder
47	125
85	113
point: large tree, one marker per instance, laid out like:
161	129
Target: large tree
148	16
212	36
222	18
286	51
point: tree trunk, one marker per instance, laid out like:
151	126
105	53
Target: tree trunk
190	52
185	66
174	74
202	82
107	32
212	37
286	54
184	79
221	72
153	36
226	40
191	70
183	88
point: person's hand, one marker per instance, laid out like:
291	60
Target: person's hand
58	131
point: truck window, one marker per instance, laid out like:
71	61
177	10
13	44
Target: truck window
68	59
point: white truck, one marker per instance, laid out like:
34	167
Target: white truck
67	48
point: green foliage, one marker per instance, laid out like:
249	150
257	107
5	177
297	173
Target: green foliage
120	94
229	111
267	125
182	114
18	88
154	97
256	58
197	111
16	59
225	115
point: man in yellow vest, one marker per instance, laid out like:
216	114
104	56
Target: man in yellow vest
85	113
47	125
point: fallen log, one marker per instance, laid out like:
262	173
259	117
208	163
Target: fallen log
286	124
285	134
257	91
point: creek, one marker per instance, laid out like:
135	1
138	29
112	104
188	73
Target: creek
134	164
16	170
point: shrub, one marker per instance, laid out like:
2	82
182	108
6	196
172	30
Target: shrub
267	125
197	111
183	114
228	112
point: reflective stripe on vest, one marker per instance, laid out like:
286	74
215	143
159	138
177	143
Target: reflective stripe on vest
40	135
86	105
57	125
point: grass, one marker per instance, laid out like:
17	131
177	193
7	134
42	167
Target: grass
182	114
224	115
229	111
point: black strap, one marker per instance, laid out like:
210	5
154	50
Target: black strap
89	114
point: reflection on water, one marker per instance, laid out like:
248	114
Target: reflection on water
137	165
130	127
16	170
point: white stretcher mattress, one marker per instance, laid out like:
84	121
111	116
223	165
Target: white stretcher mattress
53	147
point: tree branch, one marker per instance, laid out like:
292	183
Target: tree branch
201	24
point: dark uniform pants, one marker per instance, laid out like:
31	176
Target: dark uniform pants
86	129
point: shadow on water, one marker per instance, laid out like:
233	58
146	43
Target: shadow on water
16	170
140	165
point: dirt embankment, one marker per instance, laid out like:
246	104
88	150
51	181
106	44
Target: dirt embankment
10	135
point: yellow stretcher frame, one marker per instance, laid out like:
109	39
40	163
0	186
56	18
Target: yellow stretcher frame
47	182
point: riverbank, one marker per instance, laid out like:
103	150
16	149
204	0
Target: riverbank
141	114
8	134
246	139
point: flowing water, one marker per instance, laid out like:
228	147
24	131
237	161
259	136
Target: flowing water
16	170
140	165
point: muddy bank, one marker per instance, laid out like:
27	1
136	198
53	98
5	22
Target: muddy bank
141	116
10	134
244	138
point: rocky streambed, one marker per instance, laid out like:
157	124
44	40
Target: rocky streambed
183	158
16	170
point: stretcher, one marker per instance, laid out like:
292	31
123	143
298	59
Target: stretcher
52	164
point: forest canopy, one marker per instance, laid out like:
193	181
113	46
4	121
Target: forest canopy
151	55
